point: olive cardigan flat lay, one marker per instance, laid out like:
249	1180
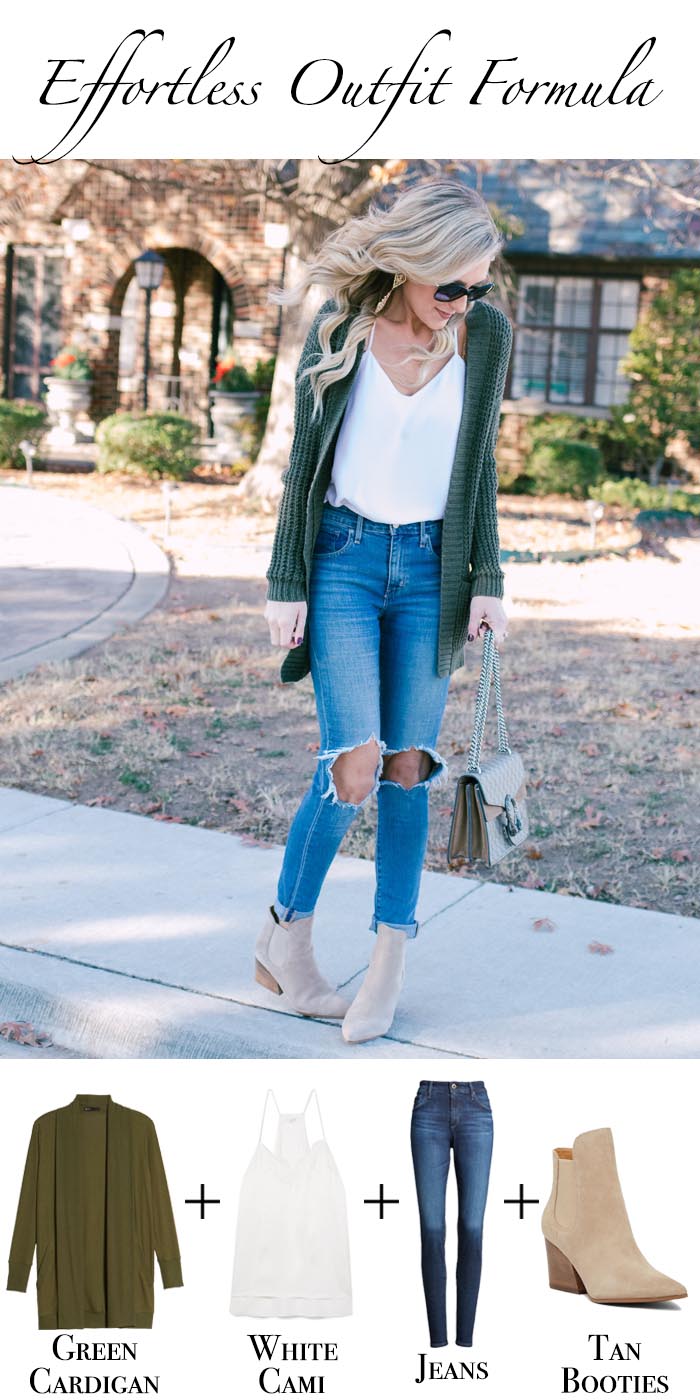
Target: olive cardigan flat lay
95	1204
470	549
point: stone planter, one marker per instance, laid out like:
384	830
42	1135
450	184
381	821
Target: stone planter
228	412
65	399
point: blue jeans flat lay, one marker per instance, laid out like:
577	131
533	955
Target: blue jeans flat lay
451	1118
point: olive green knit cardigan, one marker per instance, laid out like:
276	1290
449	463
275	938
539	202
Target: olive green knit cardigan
95	1207
470	549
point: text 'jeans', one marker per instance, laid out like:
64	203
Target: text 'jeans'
374	607
451	1116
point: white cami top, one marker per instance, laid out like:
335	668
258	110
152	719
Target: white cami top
394	453
292	1255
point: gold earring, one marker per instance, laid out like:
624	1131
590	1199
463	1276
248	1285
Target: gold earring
399	277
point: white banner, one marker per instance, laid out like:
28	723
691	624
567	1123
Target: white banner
315	80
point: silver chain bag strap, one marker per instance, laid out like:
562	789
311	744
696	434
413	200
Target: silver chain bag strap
490	812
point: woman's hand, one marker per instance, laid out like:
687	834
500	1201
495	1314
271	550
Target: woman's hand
484	613
286	622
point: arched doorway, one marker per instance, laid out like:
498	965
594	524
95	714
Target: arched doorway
192	317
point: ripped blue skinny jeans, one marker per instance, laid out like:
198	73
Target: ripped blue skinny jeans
374	606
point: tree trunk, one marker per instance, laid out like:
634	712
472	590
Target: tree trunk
324	197
655	469
263	483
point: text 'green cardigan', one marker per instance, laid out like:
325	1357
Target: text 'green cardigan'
470	548
95	1205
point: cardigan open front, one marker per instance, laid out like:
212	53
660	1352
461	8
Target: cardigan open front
95	1204
470	548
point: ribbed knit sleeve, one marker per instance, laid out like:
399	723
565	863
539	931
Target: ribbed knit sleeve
164	1233
287	574
486	577
24	1235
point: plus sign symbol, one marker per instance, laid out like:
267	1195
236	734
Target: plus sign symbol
521	1200
381	1200
202	1201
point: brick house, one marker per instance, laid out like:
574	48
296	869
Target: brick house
70	240
584	265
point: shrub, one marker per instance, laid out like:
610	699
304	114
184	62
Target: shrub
566	468
147	444
641	496
263	375
609	435
663	366
19	419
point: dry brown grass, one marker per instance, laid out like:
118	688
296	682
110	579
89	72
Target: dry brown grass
184	718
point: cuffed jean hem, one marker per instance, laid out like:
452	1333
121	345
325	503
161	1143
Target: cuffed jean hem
284	911
410	930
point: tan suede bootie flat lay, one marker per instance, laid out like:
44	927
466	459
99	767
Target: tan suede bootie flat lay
589	1240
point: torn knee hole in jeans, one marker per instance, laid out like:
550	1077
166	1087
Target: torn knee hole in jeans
329	758
436	774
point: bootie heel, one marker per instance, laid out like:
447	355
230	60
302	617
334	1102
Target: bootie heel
562	1274
266	979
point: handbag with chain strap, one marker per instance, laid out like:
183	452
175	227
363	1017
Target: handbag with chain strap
490	812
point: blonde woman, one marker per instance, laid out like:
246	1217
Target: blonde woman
386	556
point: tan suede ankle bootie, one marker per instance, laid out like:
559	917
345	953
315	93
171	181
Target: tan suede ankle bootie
285	963
589	1240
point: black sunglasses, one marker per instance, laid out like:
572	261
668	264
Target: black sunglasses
452	291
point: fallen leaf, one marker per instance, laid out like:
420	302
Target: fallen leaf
592	817
680	856
240	803
601	948
533	853
104	800
24	1033
592	750
625	710
684	754
543	925
556	731
533	881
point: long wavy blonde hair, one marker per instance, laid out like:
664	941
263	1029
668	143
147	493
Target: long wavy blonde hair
430	233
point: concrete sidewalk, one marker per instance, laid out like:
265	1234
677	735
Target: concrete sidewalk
123	936
71	575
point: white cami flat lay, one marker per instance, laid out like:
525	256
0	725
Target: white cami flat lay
394	453
292	1253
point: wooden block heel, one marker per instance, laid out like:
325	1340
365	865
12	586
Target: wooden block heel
266	979
562	1274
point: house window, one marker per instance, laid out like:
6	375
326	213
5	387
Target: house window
570	335
36	319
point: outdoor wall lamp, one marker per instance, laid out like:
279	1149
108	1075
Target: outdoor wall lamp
149	275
